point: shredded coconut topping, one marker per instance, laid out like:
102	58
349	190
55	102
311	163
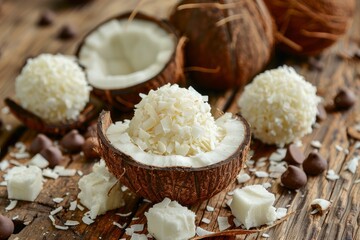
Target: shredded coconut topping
288	106
174	121
53	87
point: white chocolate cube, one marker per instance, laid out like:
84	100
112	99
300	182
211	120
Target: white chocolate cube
100	191
24	183
252	206
169	220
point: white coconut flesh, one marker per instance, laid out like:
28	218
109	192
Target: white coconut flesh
234	129
121	54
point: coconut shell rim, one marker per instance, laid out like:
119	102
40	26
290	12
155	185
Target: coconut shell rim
165	25
34	122
129	160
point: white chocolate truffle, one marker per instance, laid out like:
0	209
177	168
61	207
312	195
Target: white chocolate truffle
24	183
174	121
280	106
169	220
52	87
252	206
100	191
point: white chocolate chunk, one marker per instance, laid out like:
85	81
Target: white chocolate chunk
24	183
169	220
100	191
252	206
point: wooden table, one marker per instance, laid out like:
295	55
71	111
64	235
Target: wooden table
20	37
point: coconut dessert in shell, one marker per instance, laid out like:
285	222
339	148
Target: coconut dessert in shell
52	95
229	41
173	147
125	56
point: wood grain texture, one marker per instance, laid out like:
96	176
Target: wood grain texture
20	37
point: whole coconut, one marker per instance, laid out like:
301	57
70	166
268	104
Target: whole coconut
306	27
229	41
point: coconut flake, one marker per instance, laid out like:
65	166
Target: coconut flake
61	171
321	205
202	232
265	235
136	236
71	223
209	208
58	200
357	145
16	163
119	225
80	173
3	183
39	161
236	222
339	148
260	164
4	164
281	212
73	205
137	227
61	227
243	177
81	208
87	220
316	144
352	164
5	110
266	185
50	173
15	217
205	220
223	223
20	155
56	210
123	214
261	174
331	175
52	219
277	156
11	205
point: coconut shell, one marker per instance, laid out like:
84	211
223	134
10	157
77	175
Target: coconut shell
306	27
35	122
183	184
124	99
236	50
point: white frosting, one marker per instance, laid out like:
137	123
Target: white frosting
280	106
52	87
252	206
169	220
121	54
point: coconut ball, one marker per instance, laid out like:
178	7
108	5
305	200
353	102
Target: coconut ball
53	87
174	121
280	106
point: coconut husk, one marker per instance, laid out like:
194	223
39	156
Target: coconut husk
36	123
124	99
234	37
183	184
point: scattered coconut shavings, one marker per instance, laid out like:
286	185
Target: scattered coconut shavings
250	162
252	169
339	148
321	205
71	223
146	200
81	208
61	171
137	227
14	162
21	147
331	175
260	164
262	159
3	183
20	155
39	161
276	156
357	181
277	168
265	235
123	214
136	236
223	223
236	222
80	173
58	200
56	210
202	232
352	164
261	174
243	177
205	220
129	231
316	144
135	218
230	193
124	188
50	173
5	110
87	220
357	145
266	185
15	217
11	205
209	208
61	227
298	143
52	219
275	175
119	225
281	212
4	164
73	205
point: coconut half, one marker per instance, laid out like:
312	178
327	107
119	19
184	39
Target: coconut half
36	123
123	58
185	179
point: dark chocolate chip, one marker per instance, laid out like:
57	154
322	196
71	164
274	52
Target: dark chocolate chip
39	143
314	164
46	18
293	178
91	131
321	114
6	227
53	155
91	148
72	141
294	156
67	32
344	99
